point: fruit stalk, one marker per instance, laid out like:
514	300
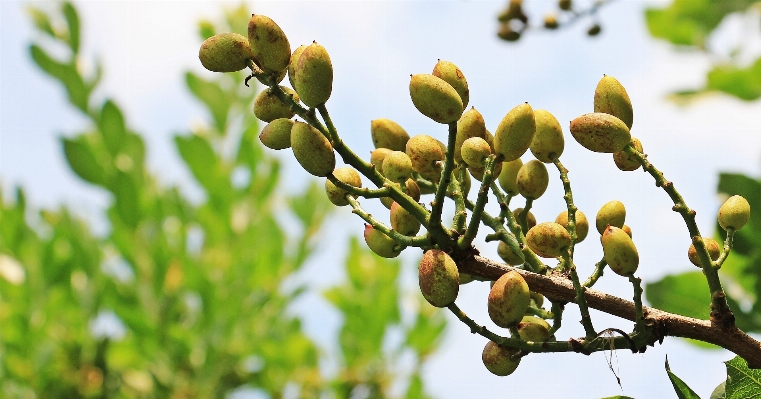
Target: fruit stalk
435	226
639	319
460	214
533	262
586	319
727	248
483	197
596	274
523	216
422	241
568	197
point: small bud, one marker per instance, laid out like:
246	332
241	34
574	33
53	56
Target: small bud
533	179
611	98
451	74
225	52
508	299
734	213
713	247
600	132
498	360
277	134
268	42
313	151
612	213
515	132
383	245
619	251
313	77
548	240
388	134
582	224
267	107
438	277
344	174
435	98
548	142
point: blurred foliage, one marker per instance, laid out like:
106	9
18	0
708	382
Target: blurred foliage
692	24
181	299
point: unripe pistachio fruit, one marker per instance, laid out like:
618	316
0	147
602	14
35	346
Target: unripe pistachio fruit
313	151
489	139
625	161
475	150
388	134
403	221
564	5
613	213
435	98
383	245
313	75
397	166
551	21
548	142
535	320
611	98
267	107
451	74
619	251
277	134
508	255
508	178
410	188
530	218
344	174
478	173
713	247
548	240
515	132
466	278
268	44
498	360
294	63
471	124
734	213
582	224
508	299
438	277
627	230
533	179
533	332
377	156
225	52
424	152
600	132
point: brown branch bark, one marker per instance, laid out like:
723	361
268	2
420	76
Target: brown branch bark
560	288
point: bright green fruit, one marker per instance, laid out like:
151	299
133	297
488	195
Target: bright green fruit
508	179
508	255
498	360
397	166
734	213
625	161
713	247
471	124
313	151
403	221
619	251
533	332
515	132
313	76
268	107
425	153
344	174
225	52
534	319
533	179
383	245
377	156
268	44
294	63
438	277
611	98
451	74
388	134
548	142
474	152
508	299
582	224
600	132
612	213
435	98
277	134
530	218
548	240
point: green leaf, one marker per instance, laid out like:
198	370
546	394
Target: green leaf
425	335
690	22
82	160
112	128
720	391
682	390
742	382
206	29
686	294
200	158
738	184
41	21
127	199
79	93
212	95
743	83
72	20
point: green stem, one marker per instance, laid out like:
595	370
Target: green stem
358	191
638	315
483	197
523	216
728	242
460	213
446	176
401	239
539	312
557	313
534	263
568	197
599	269
586	319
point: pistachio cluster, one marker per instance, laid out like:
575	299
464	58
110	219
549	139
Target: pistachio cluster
403	168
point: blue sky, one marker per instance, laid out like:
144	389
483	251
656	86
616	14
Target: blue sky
374	47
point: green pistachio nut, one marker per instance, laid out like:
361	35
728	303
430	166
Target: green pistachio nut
582	224
462	178
528	319
551	21
713	247
403	221
611	98
538	301
225	52
383	245
565	5
474	152
268	42
451	74
377	156
435	98
508	255
294	63
267	107
489	139
425	153
627	230
313	76
388	134
499	360
471	124
508	178
619	251
410	188
478	173
625	161
600	132
508	299
530	218
548	142
533	179
277	134
612	213
397	166
344	174
734	213
313	151
533	332
466	278
548	240
438	277
515	133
